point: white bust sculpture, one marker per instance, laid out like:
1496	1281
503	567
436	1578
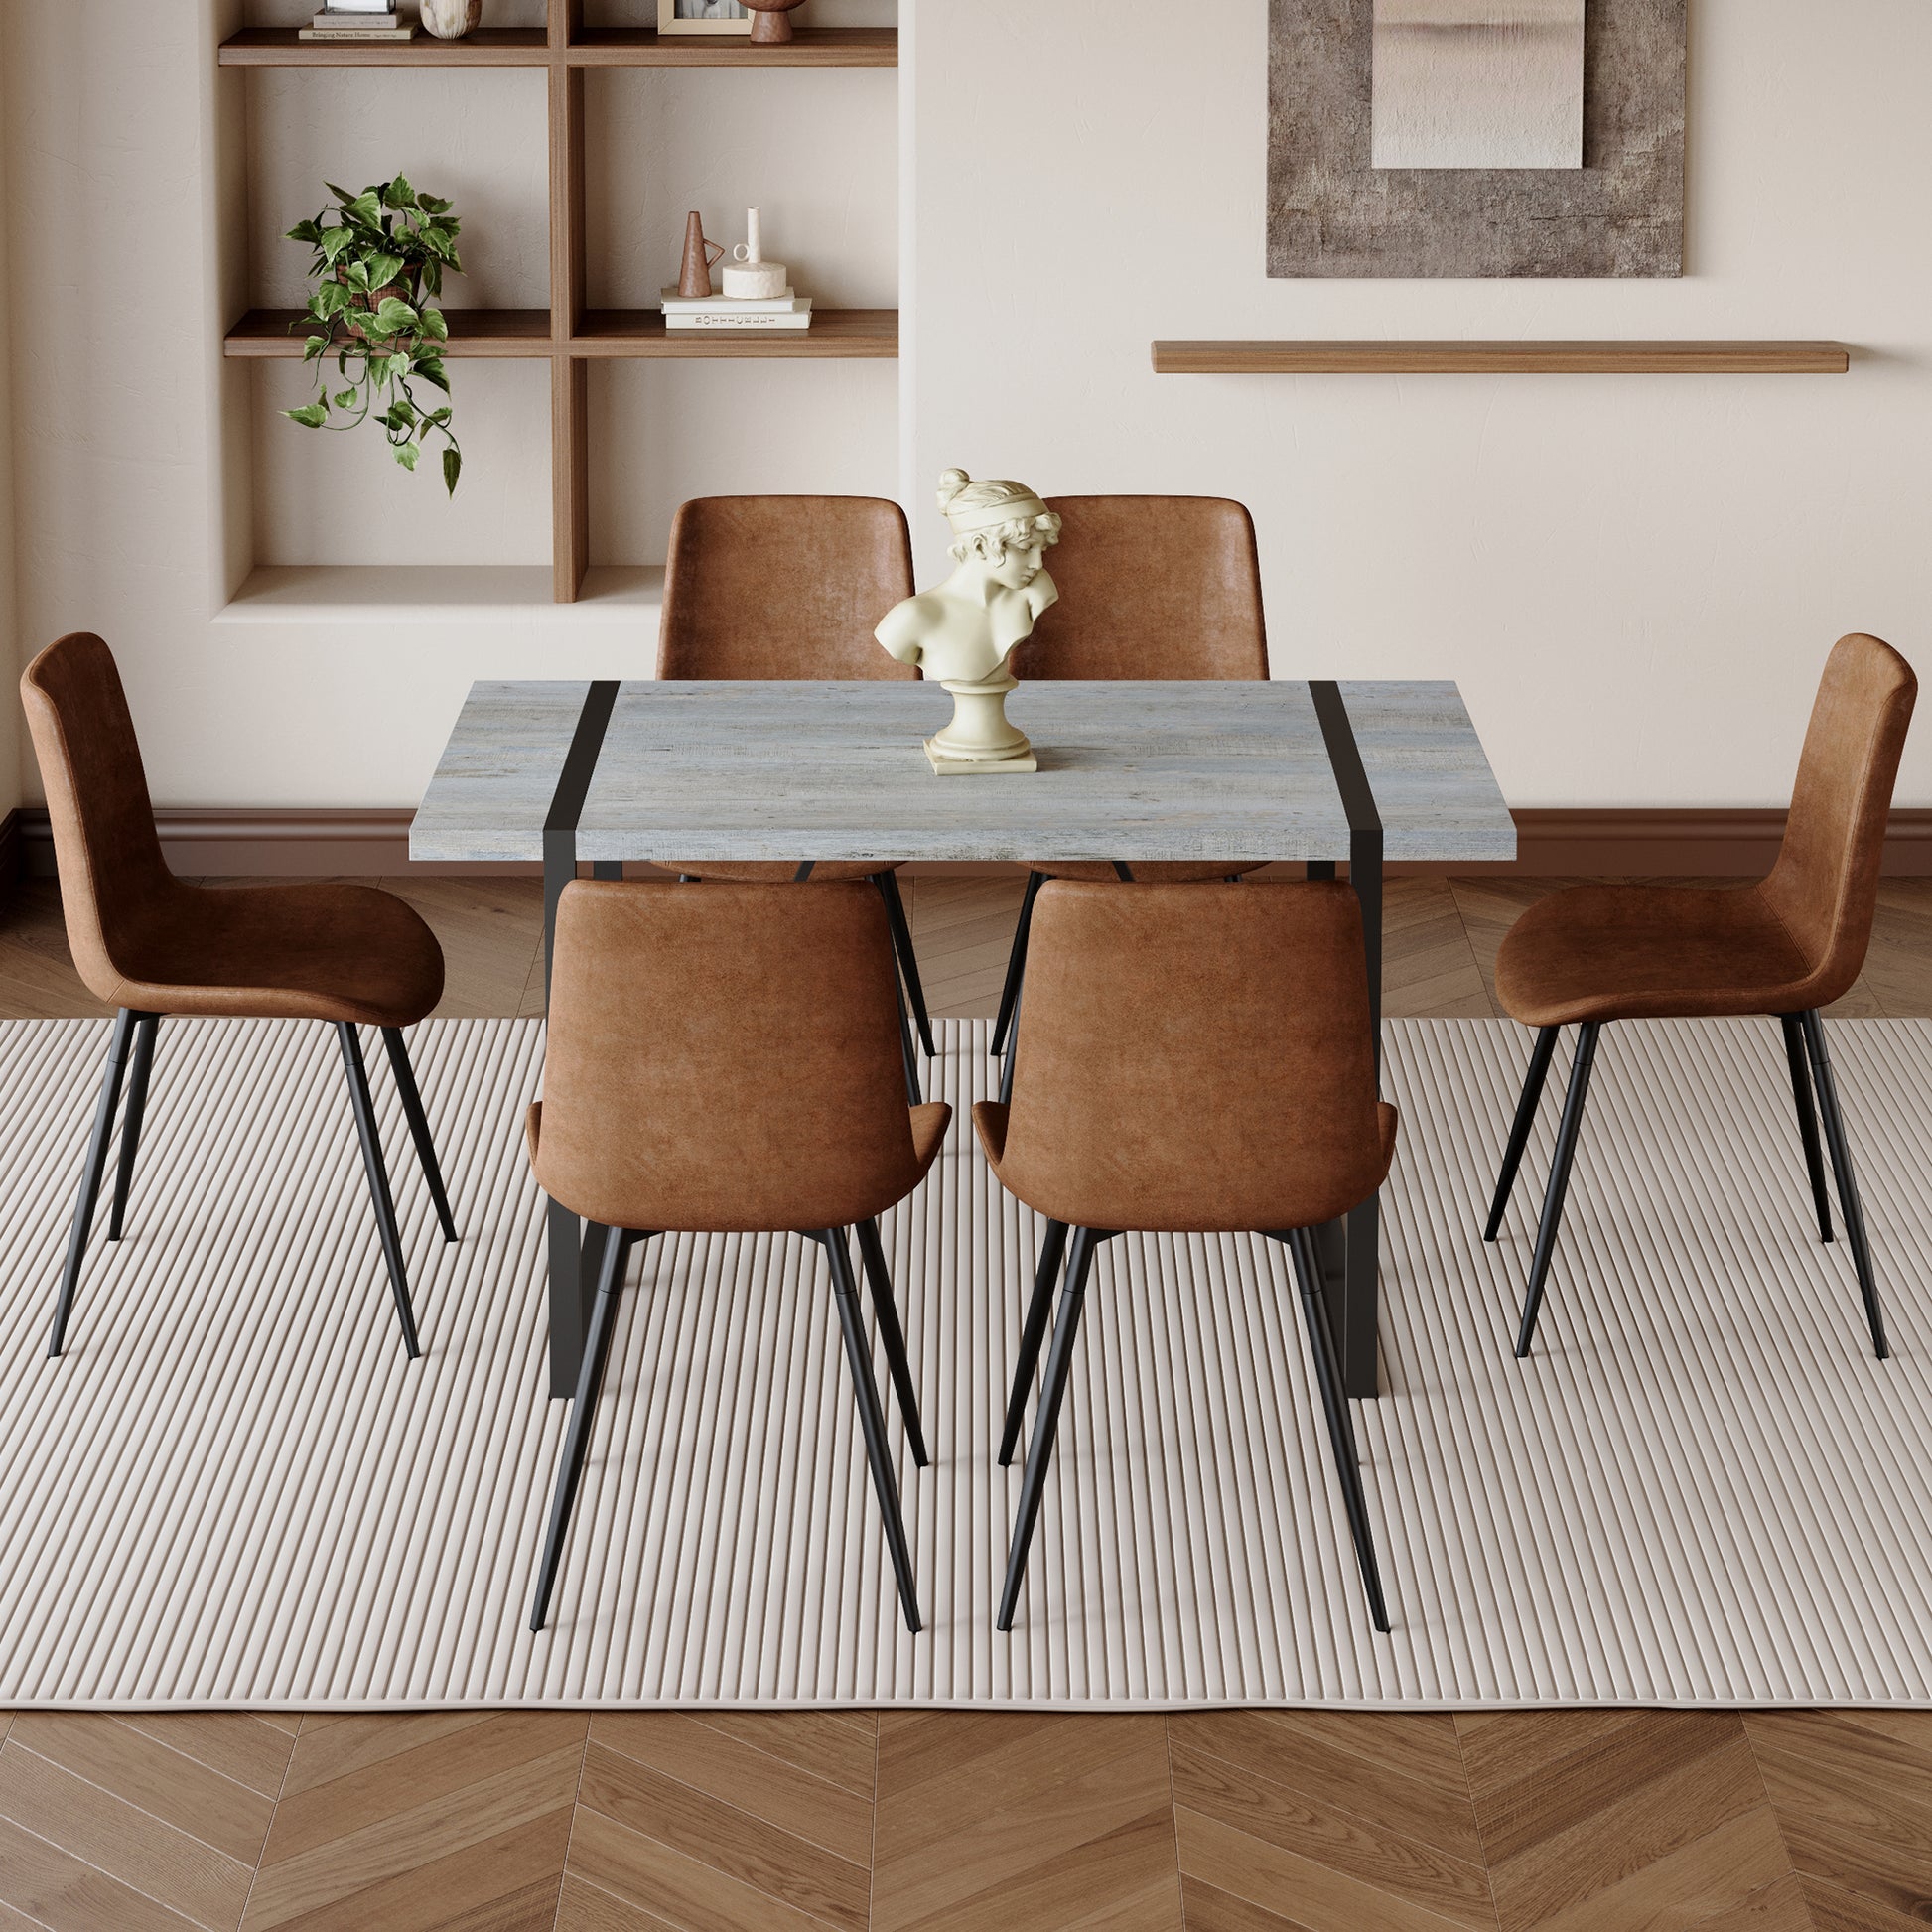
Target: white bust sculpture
962	631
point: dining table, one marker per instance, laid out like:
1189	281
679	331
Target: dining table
1320	773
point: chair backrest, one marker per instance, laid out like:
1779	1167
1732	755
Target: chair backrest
1151	587
112	874
1825	885
1196	1057
783	587
724	1058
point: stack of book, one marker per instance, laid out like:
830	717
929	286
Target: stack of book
356	24
786	310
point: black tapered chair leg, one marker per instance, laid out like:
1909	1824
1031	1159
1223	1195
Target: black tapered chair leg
1559	1184
1012	1049
872	1419
412	1111
93	1170
892	1337
1040	1453
1053	1251
1849	1203
378	1178
1334	1406
1519	1128
140	1069
1801	1095
1015	963
618	1243
908	960
907	1056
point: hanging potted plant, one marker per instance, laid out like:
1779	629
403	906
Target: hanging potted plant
378	265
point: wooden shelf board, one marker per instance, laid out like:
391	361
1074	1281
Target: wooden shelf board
488	46
1500	357
527	46
834	333
809	46
266	333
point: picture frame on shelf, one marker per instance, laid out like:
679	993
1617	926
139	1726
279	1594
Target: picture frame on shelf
703	16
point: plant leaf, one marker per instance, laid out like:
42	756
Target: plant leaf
407	453
430	368
452	467
399	193
314	346
310	415
336	242
344	398
383	269
303	232
367	209
395	318
433	325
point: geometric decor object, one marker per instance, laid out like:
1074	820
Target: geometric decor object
1377	109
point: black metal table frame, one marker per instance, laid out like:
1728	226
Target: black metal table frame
1350	1248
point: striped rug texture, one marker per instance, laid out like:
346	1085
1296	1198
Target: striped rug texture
235	1490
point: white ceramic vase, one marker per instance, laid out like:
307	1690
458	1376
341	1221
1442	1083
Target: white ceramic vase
450	20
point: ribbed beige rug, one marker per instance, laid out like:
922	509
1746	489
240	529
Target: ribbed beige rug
235	1490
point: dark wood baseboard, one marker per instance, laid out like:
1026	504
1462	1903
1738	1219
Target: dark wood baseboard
333	842
12	852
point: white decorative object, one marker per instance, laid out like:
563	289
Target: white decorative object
450	20
962	631
750	277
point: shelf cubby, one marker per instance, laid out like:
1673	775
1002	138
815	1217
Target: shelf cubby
530	47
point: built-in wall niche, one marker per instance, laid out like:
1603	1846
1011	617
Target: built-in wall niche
573	138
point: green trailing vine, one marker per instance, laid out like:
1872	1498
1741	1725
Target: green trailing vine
378	265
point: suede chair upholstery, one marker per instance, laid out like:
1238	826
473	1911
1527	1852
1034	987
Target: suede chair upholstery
154	945
778	588
1784	946
792	587
1193	1062
727	1060
1151	588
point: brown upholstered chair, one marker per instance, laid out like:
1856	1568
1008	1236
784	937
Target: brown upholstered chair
1786	947
726	1061
151	944
1151	588
791	586
1193	1063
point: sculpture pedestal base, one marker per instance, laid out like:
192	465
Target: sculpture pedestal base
980	740
949	766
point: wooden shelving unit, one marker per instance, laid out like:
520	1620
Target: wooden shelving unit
529	46
570	335
1502	358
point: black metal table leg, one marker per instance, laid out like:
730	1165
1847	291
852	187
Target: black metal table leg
93	1170
571	1287
1362	1293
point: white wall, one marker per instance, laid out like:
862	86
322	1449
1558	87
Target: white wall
1634	579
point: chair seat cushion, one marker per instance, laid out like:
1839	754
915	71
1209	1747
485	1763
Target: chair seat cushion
779	872
1148	872
1652	952
309	951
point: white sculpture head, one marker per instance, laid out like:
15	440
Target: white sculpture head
1000	525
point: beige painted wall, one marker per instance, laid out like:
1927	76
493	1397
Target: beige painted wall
10	742
1633	579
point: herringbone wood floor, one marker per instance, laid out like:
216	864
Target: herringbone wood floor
1226	1821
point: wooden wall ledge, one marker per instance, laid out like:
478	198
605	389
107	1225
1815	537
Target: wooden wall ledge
1502	358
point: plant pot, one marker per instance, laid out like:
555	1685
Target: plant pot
772	27
450	20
